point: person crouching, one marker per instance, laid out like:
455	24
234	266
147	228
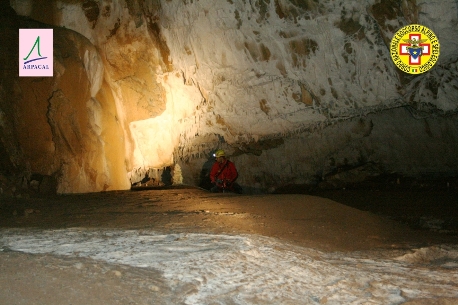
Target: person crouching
223	174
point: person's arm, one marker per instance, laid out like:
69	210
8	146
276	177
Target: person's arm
213	172
232	173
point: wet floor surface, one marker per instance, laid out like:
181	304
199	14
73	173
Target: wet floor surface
188	246
303	219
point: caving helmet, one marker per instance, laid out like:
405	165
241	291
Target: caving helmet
219	153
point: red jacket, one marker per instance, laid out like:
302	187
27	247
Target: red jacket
225	171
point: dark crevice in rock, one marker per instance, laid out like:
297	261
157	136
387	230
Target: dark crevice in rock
256	148
115	29
91	11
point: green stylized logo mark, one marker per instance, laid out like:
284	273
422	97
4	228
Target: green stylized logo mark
36	44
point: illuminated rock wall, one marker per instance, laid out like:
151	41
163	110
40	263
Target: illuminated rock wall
64	127
291	89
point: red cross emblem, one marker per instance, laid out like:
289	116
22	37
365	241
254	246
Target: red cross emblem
413	45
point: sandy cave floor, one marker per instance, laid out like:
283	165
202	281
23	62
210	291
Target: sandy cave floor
188	246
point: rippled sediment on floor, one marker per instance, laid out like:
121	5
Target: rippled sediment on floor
252	269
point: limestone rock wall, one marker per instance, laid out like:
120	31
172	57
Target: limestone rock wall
62	127
291	89
285	81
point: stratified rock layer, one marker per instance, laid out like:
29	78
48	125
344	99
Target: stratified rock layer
293	90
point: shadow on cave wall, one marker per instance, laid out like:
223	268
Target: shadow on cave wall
204	177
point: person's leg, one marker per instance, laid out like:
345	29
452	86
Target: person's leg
215	189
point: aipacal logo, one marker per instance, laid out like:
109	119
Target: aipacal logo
414	49
36	52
